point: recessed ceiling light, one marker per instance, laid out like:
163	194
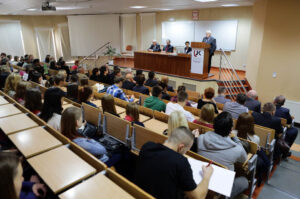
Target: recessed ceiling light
231	5
166	9
32	9
204	1
137	7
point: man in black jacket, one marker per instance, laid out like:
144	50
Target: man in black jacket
168	48
151	79
213	46
155	47
251	102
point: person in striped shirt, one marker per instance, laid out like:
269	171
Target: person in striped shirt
116	91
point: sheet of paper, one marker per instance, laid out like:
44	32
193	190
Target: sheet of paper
221	180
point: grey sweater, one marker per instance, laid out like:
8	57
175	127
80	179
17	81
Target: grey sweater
221	149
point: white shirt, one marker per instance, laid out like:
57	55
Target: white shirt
54	121
171	107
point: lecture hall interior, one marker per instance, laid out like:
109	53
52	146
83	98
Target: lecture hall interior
149	99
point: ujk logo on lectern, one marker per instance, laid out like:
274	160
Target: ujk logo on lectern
197	52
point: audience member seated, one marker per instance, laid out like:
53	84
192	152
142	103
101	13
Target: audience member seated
116	91
129	82
13	184
176	119
103	77
168	48
155	47
108	105
182	99
65	67
209	94
53	66
151	81
116	73
268	119
74	79
72	92
4	73
164	172
15	61
164	94
75	66
36	77
282	112
236	108
219	147
59	81
83	81
153	102
95	75
140	88
21	92
207	116
36	64
174	99
221	96
33	100
137	73
85	95
11	84
52	107
71	121
165	80
245	128
133	114
251	102
59	61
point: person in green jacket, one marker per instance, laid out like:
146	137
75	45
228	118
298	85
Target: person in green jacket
153	102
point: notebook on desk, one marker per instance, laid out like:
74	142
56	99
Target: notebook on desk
221	180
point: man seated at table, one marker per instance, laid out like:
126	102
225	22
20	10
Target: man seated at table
168	48
153	102
164	172
116	91
182	98
155	47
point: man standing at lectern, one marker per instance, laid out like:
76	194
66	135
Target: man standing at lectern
213	45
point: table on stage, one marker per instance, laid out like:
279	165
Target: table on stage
171	63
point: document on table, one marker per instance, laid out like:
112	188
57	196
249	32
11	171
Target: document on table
221	180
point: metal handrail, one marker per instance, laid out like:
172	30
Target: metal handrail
231	79
86	57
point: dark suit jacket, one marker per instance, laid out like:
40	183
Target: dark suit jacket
187	50
155	48
128	85
283	113
213	44
170	48
141	89
267	120
151	82
253	105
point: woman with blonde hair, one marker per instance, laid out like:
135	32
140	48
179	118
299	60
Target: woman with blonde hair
11	84
176	119
207	116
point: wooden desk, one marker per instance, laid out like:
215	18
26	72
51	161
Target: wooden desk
16	123
9	109
3	101
60	168
156	126
143	118
120	109
169	63
97	102
67	106
98	186
34	141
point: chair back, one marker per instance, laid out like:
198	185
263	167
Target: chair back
202	158
91	114
161	116
142	99
193	110
220	106
141	135
266	135
117	128
146	111
202	129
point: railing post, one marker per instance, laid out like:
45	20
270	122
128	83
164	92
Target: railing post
220	68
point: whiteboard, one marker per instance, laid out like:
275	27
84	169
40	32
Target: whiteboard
89	32
225	32
178	32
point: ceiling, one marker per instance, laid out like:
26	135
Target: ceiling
72	7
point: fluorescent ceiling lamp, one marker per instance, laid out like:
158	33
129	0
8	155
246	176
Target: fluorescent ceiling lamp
166	9
32	9
137	7
70	8
231	5
204	1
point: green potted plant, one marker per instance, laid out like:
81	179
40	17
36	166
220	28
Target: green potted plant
111	52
